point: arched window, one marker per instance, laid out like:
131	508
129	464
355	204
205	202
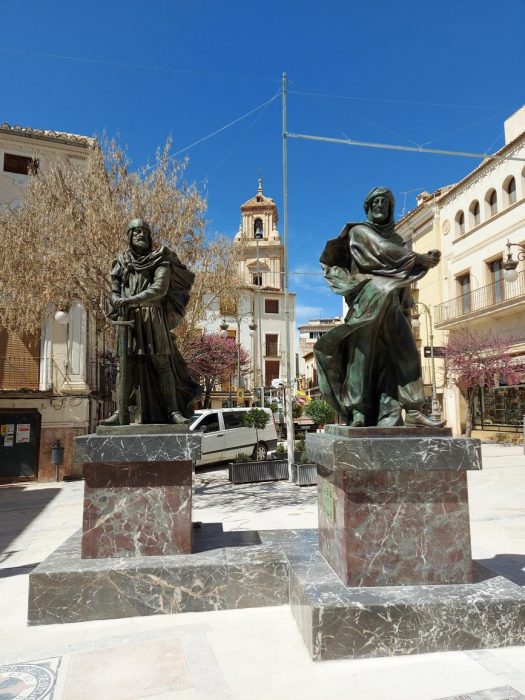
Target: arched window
258	228
492	202
509	187
475	215
460	223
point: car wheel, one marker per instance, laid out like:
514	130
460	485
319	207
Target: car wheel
260	451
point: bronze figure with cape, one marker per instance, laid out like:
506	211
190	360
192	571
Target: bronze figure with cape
150	292
369	367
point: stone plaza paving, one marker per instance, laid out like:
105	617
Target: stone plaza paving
244	653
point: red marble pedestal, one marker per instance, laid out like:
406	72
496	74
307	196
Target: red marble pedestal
394	510
137	494
136	509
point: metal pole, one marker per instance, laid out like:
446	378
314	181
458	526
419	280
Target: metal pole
436	413
238	356
288	388
259	325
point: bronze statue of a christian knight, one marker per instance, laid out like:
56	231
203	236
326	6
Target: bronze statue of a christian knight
369	367
150	291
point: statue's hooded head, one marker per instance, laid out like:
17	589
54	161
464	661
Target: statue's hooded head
139	236
379	206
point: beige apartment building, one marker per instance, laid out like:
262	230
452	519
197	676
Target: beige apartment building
471	223
50	385
309	334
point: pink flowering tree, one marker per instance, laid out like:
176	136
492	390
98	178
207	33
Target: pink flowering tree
475	359
211	357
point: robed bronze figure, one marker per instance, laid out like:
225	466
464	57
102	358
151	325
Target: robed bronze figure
369	368
150	291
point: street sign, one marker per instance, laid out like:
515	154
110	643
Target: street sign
439	351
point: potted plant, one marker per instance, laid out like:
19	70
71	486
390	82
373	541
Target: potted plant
298	449
256	418
257	470
304	471
320	412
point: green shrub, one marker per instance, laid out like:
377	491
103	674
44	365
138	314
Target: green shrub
320	412
256	418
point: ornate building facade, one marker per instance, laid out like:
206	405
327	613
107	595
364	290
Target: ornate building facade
259	318
471	222
49	382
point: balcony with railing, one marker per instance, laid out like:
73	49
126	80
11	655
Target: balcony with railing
36	373
500	294
271	348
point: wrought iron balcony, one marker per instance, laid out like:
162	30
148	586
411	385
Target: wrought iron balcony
478	300
271	349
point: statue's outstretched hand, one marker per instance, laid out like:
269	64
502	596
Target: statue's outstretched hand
339	279
430	259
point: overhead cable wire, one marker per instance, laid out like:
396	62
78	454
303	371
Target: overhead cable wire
222	128
457	131
393	147
122	64
390	101
241	137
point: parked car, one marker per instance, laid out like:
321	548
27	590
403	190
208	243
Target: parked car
225	436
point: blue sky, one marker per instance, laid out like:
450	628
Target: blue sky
444	75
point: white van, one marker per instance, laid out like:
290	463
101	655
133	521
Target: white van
225	436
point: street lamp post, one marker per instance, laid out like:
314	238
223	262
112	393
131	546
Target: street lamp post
510	265
436	413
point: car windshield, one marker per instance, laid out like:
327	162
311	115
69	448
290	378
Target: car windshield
195	417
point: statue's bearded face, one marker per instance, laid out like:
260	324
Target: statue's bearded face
140	240
379	211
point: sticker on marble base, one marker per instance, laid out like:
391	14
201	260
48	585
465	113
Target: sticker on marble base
30	680
501	693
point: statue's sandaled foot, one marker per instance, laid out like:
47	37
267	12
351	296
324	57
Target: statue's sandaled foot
114	419
178	418
358	420
419	419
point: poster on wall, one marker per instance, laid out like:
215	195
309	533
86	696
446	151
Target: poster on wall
8	440
7	429
23	432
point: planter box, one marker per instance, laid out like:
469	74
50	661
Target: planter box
304	474
248	472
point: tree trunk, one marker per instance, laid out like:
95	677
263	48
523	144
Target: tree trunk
470	402
207	396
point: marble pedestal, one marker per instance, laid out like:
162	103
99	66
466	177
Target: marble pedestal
245	569
138	489
393	504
